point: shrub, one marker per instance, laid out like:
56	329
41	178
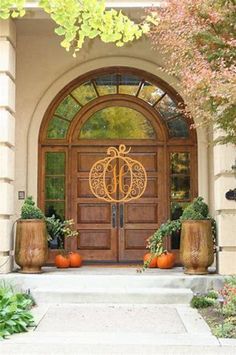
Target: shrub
202	302
30	211
228	293
224	330
15	316
197	210
213	294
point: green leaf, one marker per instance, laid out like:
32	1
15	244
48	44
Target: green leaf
60	31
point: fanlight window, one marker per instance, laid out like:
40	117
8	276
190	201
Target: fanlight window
112	84
117	123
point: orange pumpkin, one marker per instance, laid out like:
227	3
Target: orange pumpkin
151	259
75	259
62	261
166	260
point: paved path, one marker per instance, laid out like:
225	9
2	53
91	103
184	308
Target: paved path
117	329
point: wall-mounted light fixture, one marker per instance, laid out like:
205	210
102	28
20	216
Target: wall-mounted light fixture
233	167
231	194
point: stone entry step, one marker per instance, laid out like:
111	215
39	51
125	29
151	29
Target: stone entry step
93	284
151	295
114	278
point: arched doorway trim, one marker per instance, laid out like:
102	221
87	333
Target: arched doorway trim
60	131
94	64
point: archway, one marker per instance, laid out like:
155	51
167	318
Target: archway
108	107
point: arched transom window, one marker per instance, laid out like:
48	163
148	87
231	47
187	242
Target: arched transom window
159	97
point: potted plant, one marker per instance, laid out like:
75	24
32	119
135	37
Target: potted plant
58	230
197	238
31	247
198	230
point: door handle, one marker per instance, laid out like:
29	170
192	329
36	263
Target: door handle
121	215
113	213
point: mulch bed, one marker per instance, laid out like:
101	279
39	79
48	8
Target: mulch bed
214	318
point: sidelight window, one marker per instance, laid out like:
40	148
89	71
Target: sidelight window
55	163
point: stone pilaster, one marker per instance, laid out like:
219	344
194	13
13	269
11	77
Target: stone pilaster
7	141
224	180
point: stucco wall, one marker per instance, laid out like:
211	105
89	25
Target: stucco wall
7	140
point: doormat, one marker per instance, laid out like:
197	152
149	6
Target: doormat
114	265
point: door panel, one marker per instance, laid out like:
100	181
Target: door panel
98	236
93	213
141	217
94	239
85	160
141	213
116	232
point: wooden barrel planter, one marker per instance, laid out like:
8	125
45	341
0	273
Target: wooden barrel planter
31	248
196	246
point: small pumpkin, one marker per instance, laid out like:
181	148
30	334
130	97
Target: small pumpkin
166	260
62	261
75	259
150	259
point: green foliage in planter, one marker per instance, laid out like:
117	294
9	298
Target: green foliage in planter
15	316
60	229
30	211
155	242
204	301
197	210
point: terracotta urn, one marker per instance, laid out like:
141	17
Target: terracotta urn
196	246
31	246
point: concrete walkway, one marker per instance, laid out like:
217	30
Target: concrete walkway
116	329
115	310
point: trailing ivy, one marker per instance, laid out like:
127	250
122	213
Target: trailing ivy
78	20
197	210
15	316
155	242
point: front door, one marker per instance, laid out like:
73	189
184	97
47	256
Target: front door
115	232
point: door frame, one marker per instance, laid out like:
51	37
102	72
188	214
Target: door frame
70	142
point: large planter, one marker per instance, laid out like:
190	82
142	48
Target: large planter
31	248
196	246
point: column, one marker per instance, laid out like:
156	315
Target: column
224	180
7	141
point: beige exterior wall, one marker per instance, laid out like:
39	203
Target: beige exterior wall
43	69
224	180
7	141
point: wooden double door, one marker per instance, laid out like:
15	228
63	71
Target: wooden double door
116	232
